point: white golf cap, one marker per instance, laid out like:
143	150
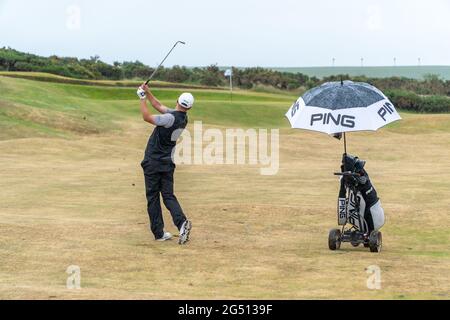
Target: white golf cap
186	100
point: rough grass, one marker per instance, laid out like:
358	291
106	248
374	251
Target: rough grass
80	201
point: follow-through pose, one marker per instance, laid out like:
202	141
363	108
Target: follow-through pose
158	164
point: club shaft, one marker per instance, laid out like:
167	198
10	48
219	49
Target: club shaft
345	143
165	58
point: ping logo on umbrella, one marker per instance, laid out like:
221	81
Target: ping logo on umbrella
295	108
326	118
385	109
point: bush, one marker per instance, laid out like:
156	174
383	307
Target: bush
409	101
212	76
176	74
404	100
435	104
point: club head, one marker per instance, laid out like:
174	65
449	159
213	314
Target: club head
182	42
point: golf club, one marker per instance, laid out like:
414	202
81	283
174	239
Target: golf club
156	70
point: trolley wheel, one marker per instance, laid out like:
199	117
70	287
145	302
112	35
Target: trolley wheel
334	239
375	241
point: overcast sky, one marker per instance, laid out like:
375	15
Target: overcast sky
233	32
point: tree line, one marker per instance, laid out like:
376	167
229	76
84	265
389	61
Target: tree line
410	94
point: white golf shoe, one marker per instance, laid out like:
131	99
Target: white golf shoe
165	237
185	231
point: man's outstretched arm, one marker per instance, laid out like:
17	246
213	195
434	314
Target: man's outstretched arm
155	102
146	115
166	120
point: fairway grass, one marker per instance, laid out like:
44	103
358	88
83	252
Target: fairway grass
73	194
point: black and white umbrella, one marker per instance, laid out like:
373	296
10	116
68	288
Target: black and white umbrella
340	107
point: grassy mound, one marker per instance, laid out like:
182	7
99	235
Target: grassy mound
53	78
32	108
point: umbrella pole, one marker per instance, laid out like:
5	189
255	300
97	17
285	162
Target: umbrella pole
345	143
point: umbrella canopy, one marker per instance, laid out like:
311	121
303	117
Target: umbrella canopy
344	106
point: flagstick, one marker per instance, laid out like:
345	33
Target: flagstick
231	87
229	73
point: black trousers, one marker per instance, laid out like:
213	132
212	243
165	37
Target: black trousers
159	181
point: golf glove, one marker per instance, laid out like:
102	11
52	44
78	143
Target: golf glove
141	94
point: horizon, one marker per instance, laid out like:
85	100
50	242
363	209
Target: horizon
266	67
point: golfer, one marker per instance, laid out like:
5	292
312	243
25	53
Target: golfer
158	164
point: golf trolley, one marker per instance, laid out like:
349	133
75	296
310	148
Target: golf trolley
351	210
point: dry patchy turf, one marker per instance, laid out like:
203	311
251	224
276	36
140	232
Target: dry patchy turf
80	200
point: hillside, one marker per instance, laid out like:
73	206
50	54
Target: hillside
426	80
412	72
37	108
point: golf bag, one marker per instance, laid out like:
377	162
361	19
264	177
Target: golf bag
358	202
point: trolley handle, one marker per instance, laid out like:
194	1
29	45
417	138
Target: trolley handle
347	174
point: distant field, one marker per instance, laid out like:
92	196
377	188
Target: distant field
413	72
72	193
